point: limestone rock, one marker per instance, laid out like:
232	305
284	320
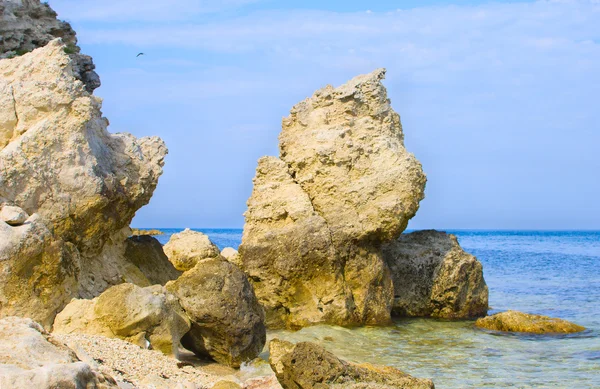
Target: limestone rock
343	185
144	316
227	320
137	231
61	163
13	216
434	277
231	255
26	25
31	358
147	254
514	321
308	365
188	247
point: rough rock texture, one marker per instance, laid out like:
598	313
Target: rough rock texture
307	365
146	253
514	321
31	358
144	316
13	216
343	185
57	160
188	247
26	25
137	231
227	320
231	255
434	277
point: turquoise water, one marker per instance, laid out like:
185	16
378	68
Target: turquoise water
550	273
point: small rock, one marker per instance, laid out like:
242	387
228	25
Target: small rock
226	385
13	216
231	255
187	248
514	321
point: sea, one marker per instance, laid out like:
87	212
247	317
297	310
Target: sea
554	273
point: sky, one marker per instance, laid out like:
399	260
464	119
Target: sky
500	101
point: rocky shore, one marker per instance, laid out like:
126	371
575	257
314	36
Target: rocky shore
87	302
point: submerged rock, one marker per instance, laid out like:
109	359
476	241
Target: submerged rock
188	247
58	161
514	321
144	316
307	365
146	253
227	320
32	358
434	277
343	185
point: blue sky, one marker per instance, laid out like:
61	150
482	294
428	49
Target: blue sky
498	100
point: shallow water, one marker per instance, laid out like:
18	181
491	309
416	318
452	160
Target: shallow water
550	273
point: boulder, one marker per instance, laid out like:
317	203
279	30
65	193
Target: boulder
144	316
231	255
61	163
307	365
344	185
227	320
188	247
13	216
26	25
32	358
514	321
147	254
434	277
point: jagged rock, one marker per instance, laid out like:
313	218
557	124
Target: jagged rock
147	254
137	231
231	255
227	320
144	316
307	365
434	277
13	216
32	358
316	219
26	25
188	247
61	163
514	321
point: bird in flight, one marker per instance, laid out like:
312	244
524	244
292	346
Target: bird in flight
139	54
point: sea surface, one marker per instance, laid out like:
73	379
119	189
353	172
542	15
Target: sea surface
554	273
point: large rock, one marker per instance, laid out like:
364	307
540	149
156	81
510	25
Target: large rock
309	366
343	185
144	316
227	320
188	247
514	321
31	358
434	277
62	164
147	254
26	25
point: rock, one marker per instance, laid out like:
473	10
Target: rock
344	185
61	163
227	320
137	231
264	382
29	24
514	321
188	247
13	216
144	316
226	385
147	254
231	255
434	277
31	358
307	365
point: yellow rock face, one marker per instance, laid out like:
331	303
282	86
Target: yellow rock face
513	321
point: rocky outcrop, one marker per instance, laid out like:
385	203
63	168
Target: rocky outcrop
514	321
144	316
344	184
32	358
227	320
58	161
188	247
434	277
309	366
231	255
146	253
26	25
137	231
